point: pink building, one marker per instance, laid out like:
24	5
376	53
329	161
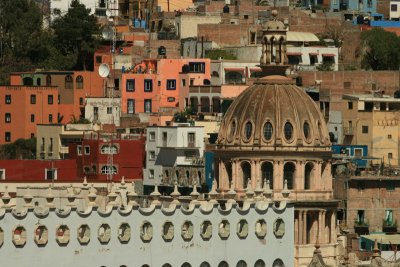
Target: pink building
160	85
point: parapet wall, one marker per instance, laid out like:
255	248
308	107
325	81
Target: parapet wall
259	231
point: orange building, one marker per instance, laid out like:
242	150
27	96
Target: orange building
161	84
73	87
44	97
23	107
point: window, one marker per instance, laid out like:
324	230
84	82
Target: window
390	186
183	82
87	150
79	82
358	152
69	82
50	118
8	137
197	67
130	85
288	131
8	99
80	101
360	216
79	150
50	99
116	84
109	149
51	145
48	80
191	139
267	131
369	3
364	129
33	99
248	130
389	136
246	16
152	155
164	138
152	136
148	85
59	99
98	59
50	174
389	218
347	85
147	105
350	105
390	155
151	174
393	7
306	130
108	170
109	110
191	82
8	117
171	84
2	174
131	106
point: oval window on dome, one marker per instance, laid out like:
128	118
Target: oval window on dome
288	131
306	130
248	130
268	131
232	129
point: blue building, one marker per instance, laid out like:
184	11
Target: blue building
355	153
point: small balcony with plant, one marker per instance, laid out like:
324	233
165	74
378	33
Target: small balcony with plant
389	224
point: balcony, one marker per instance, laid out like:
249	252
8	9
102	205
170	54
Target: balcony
389	227
361	227
349	130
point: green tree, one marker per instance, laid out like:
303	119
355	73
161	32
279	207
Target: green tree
22	44
20	149
74	35
381	50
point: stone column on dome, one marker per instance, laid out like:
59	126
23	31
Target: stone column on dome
318	176
299	176
278	175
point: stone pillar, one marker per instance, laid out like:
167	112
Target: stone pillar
299	176
323	230
320	231
333	228
238	180
296	227
278	175
304	227
318	176
253	173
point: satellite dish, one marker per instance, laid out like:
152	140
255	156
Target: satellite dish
104	70
107	33
108	13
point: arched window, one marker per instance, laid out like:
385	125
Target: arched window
246	173
223	264
306	130
186	264
48	80
38	82
259	263
233	77
108	169
79	82
278	263
27	81
288	172
109	149
69	82
267	170
241	263
308	171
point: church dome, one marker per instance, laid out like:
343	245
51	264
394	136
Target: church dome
273	113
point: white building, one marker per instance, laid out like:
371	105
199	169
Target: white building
98	7
103	110
174	153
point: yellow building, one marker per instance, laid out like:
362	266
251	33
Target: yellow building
373	120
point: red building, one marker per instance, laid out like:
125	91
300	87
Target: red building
38	171
97	157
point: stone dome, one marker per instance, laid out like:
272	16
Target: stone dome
273	113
